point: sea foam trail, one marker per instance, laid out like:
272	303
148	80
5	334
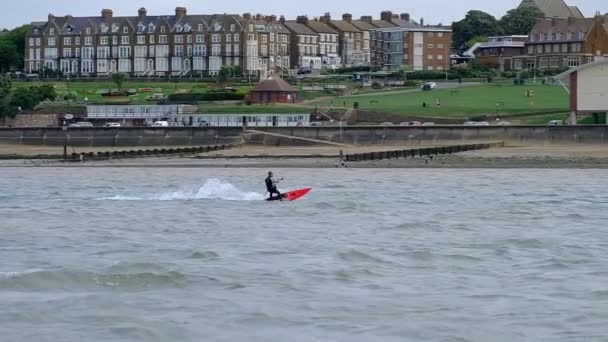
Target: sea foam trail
212	189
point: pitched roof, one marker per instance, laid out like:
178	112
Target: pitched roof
576	12
382	23
363	25
563	26
320	27
553	8
405	23
344	26
274	84
298	28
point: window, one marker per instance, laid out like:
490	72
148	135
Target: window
431	34
555	48
124	65
543	63
51	32
272	37
236	50
554	62
200	50
88	30
31	41
200	38
125	30
439	46
200	27
265	39
189	39
216	50
162	39
151	39
236	38
163	29
430	46
539	49
573	61
124	52
178	39
125	40
581	35
140	65
141	40
569	36
87	53
103	41
103	52
152	51
576	47
430	57
558	36
548	48
518	65
162	51
67	41
141	51
215	38
151	28
88	41
87	67
440	34
178	51
439	57
51	42
228	38
228	50
67	53
232	28
114	40
564	48
38	41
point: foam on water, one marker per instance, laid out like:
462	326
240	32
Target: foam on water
213	189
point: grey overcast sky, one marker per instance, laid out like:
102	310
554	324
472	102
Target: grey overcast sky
433	11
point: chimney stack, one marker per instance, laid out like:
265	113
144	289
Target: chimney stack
347	17
181	12
282	19
386	16
405	16
273	18
247	16
421	21
367	18
51	17
302	19
142	13
107	15
325	18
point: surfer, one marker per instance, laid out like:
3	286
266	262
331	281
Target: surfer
271	187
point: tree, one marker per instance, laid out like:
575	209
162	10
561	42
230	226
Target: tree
520	20
8	54
119	79
5	96
475	24
224	73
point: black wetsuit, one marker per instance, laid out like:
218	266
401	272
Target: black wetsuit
272	188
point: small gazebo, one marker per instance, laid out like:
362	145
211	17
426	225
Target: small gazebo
273	90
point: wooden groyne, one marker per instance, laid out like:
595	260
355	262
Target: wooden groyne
419	152
95	156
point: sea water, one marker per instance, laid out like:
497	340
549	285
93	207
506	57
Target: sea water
369	255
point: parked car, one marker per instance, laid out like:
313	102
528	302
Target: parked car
470	123
482	123
204	124
555	123
387	124
81	124
305	71
404	124
429	86
161	124
112	125
428	124
503	123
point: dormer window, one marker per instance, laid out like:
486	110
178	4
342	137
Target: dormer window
569	35
88	30
163	29
200	27
125	30
581	35
151	28
51	32
232	28
559	36
179	28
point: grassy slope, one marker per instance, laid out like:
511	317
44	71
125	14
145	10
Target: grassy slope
463	103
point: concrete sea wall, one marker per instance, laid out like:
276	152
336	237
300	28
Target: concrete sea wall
93	137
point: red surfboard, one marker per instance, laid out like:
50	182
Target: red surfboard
292	195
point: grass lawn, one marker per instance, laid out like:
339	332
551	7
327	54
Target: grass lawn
90	90
460	103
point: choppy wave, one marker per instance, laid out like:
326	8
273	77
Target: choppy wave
212	189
